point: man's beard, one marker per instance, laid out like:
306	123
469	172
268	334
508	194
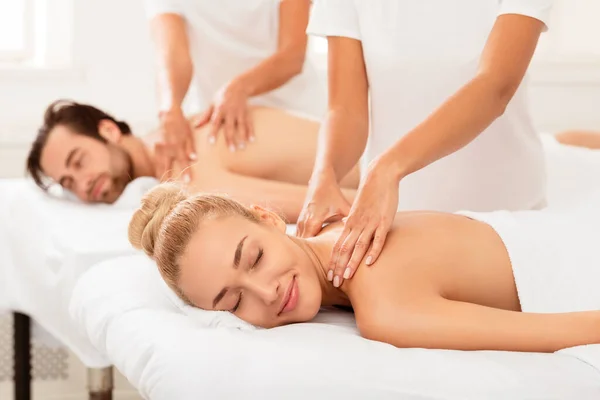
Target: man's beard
122	173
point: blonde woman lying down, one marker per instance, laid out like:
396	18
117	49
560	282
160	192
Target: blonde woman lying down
442	281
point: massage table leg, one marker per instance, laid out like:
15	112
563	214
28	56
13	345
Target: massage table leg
22	356
100	383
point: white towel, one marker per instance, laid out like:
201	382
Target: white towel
47	241
555	259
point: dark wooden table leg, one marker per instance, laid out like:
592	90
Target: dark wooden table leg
100	383
22	356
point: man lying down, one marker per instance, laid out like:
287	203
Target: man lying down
522	281
95	156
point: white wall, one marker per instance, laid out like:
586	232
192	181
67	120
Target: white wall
565	90
113	69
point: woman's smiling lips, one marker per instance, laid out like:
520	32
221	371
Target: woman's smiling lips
290	300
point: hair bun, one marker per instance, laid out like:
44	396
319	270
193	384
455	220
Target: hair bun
146	223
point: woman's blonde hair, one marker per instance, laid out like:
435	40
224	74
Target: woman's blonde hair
166	221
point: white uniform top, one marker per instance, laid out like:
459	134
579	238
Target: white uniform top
228	37
419	53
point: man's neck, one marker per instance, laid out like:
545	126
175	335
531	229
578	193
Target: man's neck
318	250
140	156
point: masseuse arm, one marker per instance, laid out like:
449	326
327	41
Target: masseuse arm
288	59
282	197
274	71
174	74
446	324
502	66
343	134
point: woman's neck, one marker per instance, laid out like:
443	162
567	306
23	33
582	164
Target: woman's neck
318	250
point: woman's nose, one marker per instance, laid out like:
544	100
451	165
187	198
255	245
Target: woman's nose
266	291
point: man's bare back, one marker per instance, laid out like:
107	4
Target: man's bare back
272	171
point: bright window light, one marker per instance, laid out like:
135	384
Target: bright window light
14	29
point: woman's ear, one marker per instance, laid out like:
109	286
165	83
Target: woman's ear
109	131
269	218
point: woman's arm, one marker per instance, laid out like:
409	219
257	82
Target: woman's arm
503	64
447	324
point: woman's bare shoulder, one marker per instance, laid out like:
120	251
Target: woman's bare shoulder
417	243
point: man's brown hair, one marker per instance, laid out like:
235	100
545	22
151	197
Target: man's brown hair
82	119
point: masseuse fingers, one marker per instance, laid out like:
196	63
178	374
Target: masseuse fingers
250	127
360	249
335	252
308	223
190	157
162	160
204	118
230	133
216	124
166	169
190	148
345	247
378	241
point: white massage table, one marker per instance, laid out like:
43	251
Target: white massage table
170	351
46	245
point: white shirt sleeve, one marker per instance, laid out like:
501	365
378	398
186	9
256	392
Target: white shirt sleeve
538	9
334	18
157	7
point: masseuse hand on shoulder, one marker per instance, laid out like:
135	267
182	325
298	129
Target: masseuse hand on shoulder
177	145
503	63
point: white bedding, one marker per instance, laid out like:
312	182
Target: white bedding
126	311
169	351
46	245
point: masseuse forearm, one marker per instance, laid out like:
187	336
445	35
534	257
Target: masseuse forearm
174	62
273	72
503	64
451	127
342	140
173	82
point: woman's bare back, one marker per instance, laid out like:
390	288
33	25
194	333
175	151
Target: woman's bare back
437	254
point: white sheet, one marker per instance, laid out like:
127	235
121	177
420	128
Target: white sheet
167	355
167	351
46	243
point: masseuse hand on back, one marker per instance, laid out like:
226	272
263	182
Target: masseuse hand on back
449	128
229	113
177	145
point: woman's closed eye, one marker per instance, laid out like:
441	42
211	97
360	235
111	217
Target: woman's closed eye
252	267
237	305
257	260
79	162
